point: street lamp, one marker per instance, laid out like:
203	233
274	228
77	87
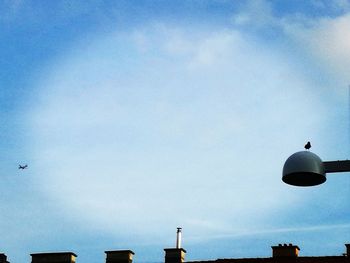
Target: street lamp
307	169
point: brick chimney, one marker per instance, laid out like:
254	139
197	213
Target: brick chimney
285	250
3	258
57	257
119	256
347	250
174	255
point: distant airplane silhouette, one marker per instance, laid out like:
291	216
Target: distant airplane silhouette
22	166
307	146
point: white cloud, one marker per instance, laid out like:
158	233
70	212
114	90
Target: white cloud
324	41
328	41
259	232
127	135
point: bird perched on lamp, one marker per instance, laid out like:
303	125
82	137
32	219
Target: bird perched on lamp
307	146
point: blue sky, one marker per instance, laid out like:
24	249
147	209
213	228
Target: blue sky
137	117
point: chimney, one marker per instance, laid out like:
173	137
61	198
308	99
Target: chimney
285	250
3	258
178	237
119	256
175	255
58	257
347	250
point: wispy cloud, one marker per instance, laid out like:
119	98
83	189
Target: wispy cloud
276	231
327	39
147	119
323	39
145	133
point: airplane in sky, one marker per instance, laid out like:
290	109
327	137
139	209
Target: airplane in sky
23	166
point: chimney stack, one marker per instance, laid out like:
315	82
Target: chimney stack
119	256
285	250
58	257
175	255
347	250
3	258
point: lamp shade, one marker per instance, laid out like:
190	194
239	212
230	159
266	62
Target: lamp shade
304	169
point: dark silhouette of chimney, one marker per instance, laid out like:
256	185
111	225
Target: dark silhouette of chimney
3	258
56	257
285	250
175	255
119	256
347	250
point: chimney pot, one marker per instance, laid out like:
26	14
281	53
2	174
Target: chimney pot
178	237
119	256
347	250
56	257
3	258
285	251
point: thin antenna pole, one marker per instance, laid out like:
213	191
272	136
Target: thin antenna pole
178	237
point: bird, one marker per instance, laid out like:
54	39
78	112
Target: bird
23	166
307	146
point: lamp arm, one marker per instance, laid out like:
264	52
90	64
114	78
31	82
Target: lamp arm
337	166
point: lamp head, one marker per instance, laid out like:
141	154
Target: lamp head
304	169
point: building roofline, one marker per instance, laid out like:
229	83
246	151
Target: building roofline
300	258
